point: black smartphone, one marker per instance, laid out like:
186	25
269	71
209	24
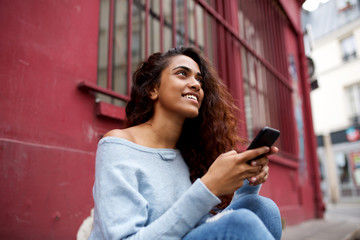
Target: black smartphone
266	137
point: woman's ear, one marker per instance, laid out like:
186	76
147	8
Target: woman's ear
154	94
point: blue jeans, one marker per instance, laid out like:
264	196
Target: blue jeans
253	217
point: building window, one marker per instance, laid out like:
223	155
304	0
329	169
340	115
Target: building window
348	48
267	95
129	31
113	49
353	93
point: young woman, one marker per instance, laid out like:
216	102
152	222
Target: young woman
170	173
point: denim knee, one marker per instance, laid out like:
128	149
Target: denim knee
241	218
265	208
241	224
245	224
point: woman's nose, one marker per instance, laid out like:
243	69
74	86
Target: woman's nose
195	84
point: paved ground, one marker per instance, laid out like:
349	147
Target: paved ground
341	222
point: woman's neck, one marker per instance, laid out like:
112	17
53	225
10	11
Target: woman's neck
159	133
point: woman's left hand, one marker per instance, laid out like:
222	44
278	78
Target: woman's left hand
263	175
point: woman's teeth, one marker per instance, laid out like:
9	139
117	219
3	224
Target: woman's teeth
191	97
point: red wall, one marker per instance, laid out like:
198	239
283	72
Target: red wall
48	129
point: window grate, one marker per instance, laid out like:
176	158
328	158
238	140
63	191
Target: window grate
245	41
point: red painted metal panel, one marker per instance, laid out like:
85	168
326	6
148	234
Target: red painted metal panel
186	30
220	29
91	87
48	130
291	8
129	47
110	44
214	36
228	41
109	110
173	11
47	191
206	40
237	81
195	26
147	9
161	26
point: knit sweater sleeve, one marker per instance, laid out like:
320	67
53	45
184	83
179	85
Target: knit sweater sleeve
246	189
121	212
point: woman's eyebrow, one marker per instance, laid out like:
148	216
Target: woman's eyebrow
186	69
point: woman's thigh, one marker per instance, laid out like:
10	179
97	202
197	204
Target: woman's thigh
239	224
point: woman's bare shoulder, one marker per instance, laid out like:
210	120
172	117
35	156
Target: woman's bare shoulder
120	133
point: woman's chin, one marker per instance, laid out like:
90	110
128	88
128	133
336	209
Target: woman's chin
192	114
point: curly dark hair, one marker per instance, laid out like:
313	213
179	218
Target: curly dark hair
203	138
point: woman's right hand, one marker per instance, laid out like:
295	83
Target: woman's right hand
228	171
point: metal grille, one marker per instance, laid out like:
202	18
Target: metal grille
244	39
267	86
130	30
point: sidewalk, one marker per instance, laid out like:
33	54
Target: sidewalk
341	222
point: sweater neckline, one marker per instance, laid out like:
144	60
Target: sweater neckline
166	154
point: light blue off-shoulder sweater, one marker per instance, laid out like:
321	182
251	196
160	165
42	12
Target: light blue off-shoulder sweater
146	194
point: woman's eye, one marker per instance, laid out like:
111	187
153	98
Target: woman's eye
182	73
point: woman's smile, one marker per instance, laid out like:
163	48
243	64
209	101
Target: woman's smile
192	97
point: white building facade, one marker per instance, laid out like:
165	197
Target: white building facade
333	43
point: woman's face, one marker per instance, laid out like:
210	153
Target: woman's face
180	92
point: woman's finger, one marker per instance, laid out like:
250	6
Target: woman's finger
261	177
260	162
231	152
251	154
273	150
